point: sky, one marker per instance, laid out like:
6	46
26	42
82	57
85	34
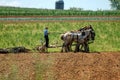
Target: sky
50	4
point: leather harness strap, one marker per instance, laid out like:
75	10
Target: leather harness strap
77	38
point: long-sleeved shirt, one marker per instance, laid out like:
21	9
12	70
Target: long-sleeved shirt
45	32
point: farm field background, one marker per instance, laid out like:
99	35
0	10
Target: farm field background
29	34
102	63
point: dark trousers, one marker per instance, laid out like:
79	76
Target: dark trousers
46	40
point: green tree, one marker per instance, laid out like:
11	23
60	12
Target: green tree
115	4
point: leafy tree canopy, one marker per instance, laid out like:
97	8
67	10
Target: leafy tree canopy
115	4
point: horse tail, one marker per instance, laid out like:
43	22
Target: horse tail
62	36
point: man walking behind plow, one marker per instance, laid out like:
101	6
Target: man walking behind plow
46	33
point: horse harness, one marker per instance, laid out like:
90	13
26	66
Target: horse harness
78	35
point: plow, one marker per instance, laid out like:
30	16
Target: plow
21	49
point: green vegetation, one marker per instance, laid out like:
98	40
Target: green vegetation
115	4
29	34
16	11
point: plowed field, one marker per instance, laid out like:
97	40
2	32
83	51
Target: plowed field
60	66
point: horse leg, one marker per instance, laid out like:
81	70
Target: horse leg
81	47
77	47
63	47
67	47
86	47
70	47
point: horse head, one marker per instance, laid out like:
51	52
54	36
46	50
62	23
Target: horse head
91	33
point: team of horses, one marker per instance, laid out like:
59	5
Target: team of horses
81	38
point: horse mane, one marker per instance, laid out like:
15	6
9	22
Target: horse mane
85	28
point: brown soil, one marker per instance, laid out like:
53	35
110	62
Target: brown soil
60	66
